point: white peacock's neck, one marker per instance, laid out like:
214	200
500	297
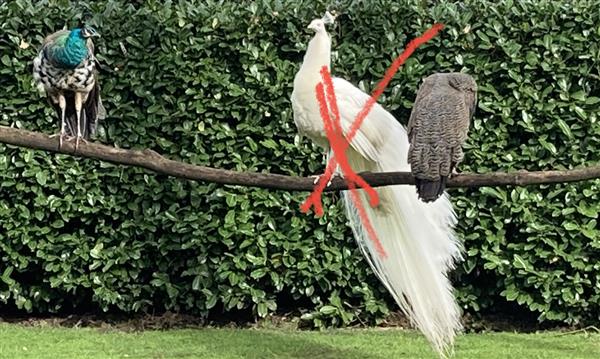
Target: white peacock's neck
318	54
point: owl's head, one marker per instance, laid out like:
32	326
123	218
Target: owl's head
462	82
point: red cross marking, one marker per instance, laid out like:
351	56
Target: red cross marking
340	143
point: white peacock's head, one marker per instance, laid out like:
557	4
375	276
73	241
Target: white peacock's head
317	25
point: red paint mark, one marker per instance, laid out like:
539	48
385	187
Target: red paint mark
339	146
340	143
391	71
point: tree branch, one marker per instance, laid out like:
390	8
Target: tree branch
155	162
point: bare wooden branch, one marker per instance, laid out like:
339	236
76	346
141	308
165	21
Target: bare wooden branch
155	162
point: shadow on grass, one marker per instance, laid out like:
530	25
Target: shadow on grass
268	344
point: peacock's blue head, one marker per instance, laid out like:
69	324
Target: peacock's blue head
84	32
70	53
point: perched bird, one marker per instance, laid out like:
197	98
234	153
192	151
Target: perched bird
65	69
418	238
437	129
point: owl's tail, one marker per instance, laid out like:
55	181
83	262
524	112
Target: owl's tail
428	190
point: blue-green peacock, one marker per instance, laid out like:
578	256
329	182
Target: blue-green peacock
65	69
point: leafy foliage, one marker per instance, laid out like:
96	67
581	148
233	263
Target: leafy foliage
209	82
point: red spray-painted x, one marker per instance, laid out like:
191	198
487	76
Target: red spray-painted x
340	143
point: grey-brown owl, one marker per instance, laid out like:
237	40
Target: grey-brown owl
437	129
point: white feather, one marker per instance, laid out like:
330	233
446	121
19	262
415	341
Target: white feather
418	238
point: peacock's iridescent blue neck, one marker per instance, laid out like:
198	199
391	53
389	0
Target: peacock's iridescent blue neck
73	52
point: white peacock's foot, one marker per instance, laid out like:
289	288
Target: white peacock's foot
317	178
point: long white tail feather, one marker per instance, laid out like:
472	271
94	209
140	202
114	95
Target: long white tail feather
419	242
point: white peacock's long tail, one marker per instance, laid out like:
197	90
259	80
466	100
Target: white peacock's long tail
419	242
417	237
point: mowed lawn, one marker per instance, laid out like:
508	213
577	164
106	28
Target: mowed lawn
18	341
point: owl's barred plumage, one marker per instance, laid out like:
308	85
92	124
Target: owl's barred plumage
65	69
438	127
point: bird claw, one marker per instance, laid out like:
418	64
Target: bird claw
78	140
61	139
317	178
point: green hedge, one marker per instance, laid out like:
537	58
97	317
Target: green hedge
209	83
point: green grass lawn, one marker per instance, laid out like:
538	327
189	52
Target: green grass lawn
18	341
